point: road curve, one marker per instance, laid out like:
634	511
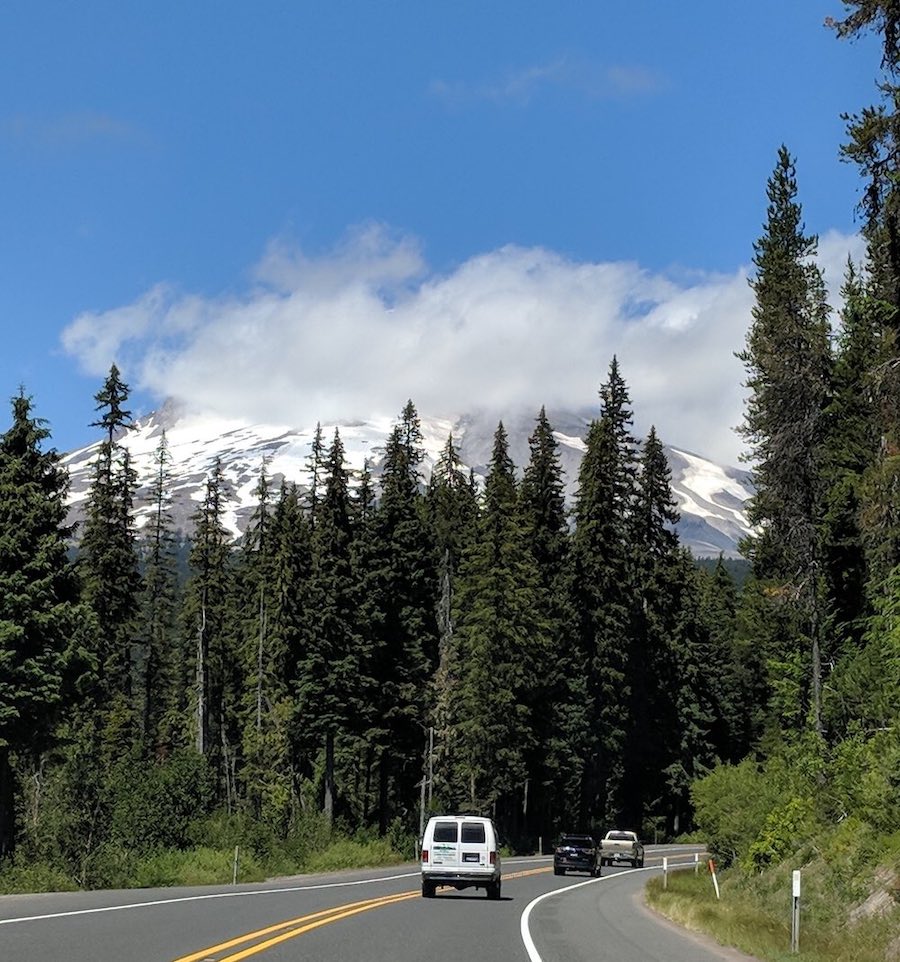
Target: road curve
605	920
372	916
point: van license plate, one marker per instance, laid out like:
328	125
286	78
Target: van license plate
470	856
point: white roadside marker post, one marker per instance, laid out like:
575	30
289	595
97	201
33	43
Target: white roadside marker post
696	863
234	873
665	873
795	912
712	872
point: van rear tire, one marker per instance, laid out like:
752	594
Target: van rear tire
428	889
493	890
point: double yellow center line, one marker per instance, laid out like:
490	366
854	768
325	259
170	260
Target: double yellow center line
262	939
289	930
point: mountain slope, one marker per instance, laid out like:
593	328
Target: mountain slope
710	497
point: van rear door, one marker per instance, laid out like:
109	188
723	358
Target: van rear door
445	845
474	845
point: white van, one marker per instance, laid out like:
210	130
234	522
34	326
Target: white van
460	851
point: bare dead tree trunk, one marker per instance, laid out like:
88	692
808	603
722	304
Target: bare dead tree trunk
202	681
329	775
7	806
259	660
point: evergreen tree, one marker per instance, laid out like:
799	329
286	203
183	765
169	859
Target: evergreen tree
405	582
852	454
788	359
159	659
452	506
865	695
266	673
45	632
689	683
206	616
560	726
655	734
109	564
502	627
256	585
874	147
363	760
733	670
315	466
330	653
114	417
279	755
543	502
603	597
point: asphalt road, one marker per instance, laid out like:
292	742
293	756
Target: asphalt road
371	916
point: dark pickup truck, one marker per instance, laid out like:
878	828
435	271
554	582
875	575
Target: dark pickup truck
576	853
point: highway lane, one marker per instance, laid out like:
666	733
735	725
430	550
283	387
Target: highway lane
606	921
368	916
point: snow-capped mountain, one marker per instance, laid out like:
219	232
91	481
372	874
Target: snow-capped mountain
710	497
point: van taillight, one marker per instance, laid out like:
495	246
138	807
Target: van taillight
424	854
493	858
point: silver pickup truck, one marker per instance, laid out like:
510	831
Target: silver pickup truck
618	846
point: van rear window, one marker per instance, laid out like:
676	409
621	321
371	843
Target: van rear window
472	832
445	831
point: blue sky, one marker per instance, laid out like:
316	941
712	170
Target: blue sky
295	210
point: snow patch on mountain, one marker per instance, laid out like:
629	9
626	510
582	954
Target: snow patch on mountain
711	497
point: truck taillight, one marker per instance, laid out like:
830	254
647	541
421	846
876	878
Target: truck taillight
493	858
424	854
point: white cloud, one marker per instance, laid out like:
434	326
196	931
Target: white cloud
593	81
70	130
355	333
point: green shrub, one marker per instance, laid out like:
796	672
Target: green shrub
23	877
223	830
403	842
731	805
310	833
109	866
864	779
785	829
154	804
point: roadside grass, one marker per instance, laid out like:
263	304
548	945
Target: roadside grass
112	866
347	853
196	866
753	915
20	878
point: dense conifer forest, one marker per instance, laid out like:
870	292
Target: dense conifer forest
374	649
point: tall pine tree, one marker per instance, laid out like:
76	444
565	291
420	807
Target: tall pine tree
561	682
158	638
109	565
45	632
206	621
789	365
502	626
330	653
603	596
405	582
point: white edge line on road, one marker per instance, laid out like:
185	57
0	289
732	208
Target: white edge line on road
247	894
200	898
527	940
224	895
